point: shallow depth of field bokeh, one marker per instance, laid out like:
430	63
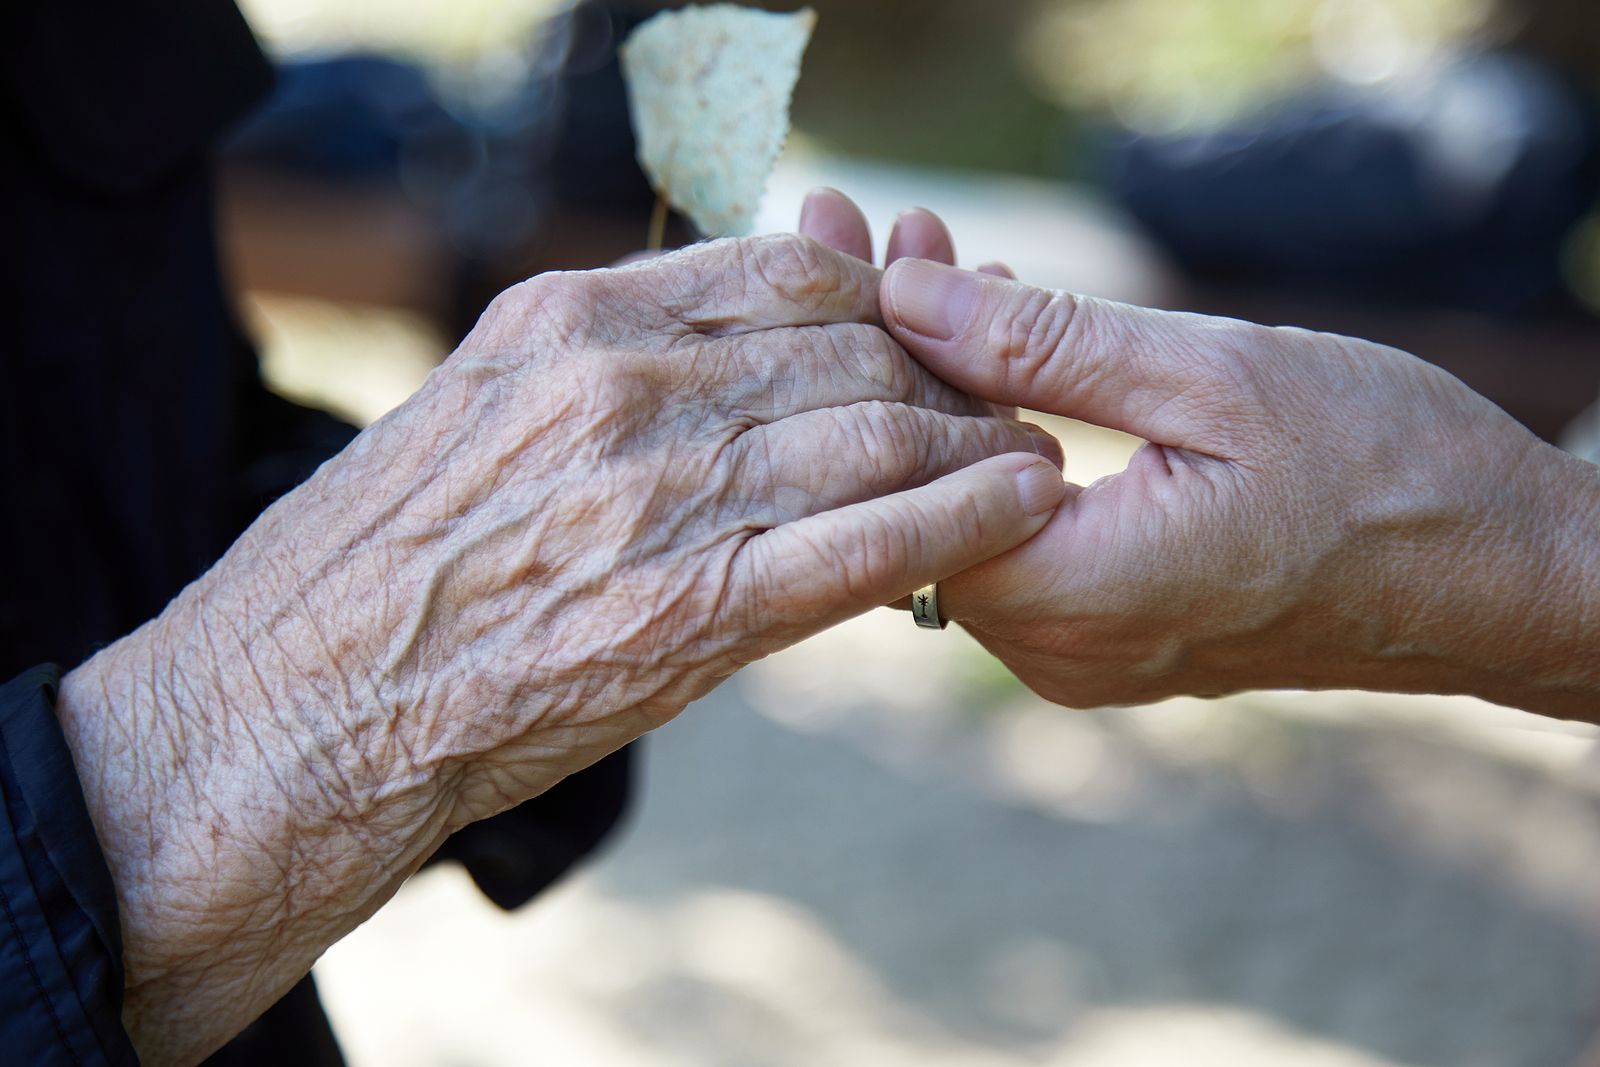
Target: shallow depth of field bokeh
878	848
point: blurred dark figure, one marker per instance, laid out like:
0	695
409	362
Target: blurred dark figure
1432	211
506	179
136	438
1562	34
1454	189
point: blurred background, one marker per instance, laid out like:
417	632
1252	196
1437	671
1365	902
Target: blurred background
877	848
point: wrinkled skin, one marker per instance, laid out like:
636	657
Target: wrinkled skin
1309	511
622	487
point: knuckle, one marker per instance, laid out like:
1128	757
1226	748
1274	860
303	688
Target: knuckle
1285	338
784	255
1235	371
874	356
561	304
874	550
758	586
626	382
982	438
1038	333
955	530
797	268
968	528
889	438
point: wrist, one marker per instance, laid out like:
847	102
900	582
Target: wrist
1546	657
1507	606
252	803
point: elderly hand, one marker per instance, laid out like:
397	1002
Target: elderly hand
1310	510
623	486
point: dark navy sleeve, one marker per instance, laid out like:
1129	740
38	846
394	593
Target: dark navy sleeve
60	942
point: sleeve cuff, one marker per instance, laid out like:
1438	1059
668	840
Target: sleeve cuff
60	939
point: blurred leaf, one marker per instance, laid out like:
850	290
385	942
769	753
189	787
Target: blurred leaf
709	90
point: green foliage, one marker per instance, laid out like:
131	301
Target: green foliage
1168	64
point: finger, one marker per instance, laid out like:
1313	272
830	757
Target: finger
999	270
1156	374
920	234
737	286
1028	581
834	219
805	576
821	460
778	373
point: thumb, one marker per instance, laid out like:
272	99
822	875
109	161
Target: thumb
807	575
1010	343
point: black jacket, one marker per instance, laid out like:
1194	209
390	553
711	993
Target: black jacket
136	442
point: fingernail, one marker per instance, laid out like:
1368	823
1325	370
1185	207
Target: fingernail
932	299
1040	488
809	205
1046	444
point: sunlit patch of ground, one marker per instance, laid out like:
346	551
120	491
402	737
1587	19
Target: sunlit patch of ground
872	871
357	362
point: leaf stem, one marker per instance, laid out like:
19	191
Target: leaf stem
658	225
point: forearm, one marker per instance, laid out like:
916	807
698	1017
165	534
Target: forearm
256	791
242	839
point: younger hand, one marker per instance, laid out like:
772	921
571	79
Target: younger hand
1309	511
